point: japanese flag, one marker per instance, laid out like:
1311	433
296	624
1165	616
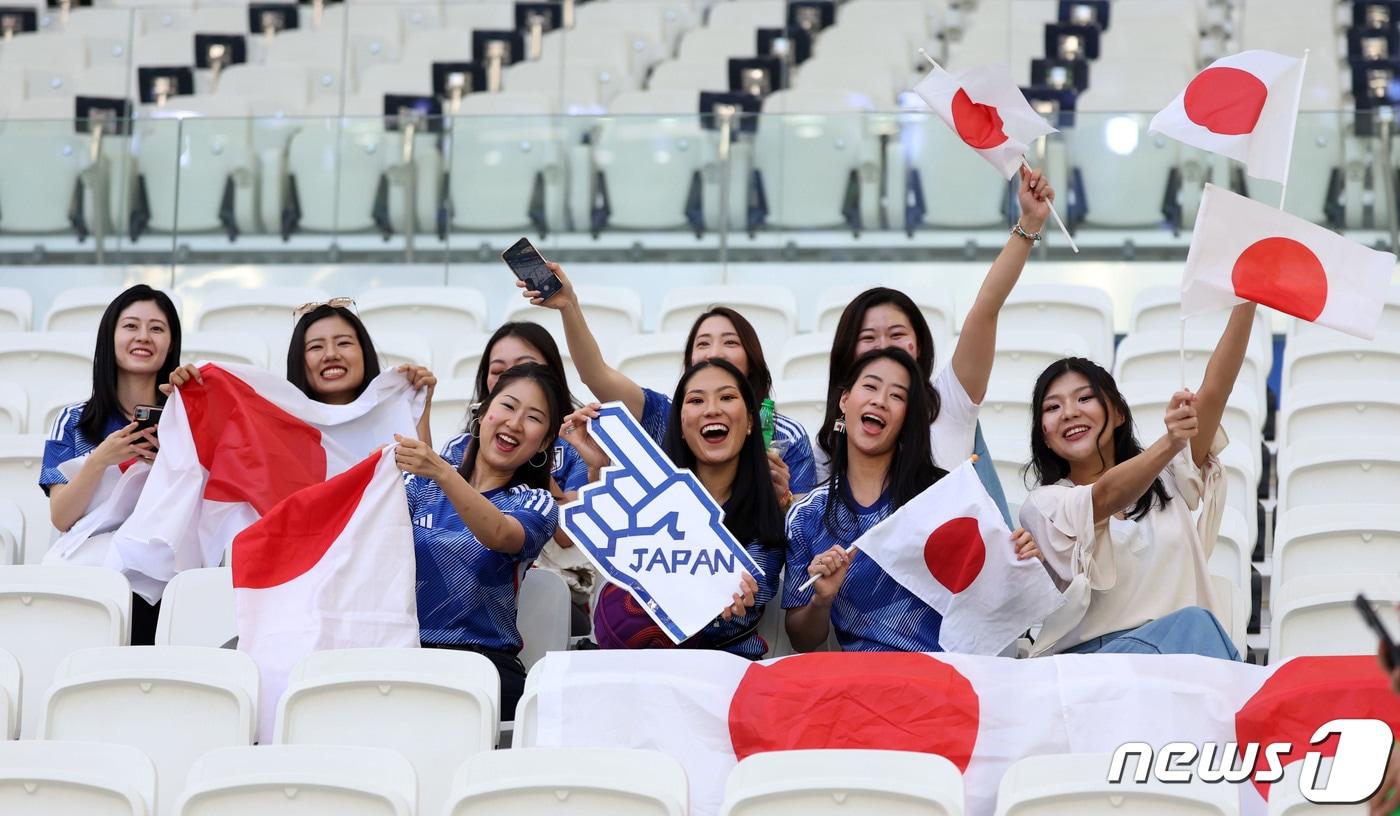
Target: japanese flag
330	567
1243	250
950	547
711	709
234	446
986	109
1244	106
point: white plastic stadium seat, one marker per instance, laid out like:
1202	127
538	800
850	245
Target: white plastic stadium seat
36	195
771	309
173	702
1316	614
75	779
1339	471
402	348
451	398
533	782
1231	557
651	152
1054	784
14	408
1084	310
804	400
691	76
265	311
1006	414
197	609
1157	356
319	143
1330	357
320	53
214	183
653	361
291	780
874	82
838	782
1319	540
544	609
1322	410
47	361
1125	169
442	314
587	86
1233	605
936	305
16	310
48	63
956	194
506	169
1021	356
1158	308
21	458
751	14
225	347
717	43
399	699
9	696
1286	796
614	315
805	356
11	532
46	612
1148	401
80	308
1009	457
811	153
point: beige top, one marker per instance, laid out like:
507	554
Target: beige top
1136	571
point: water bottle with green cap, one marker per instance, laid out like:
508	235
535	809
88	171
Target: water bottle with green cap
765	418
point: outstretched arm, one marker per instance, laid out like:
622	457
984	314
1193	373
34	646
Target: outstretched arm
607	383
976	349
1123	484
1221	373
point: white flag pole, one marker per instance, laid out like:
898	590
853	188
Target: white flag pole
1058	222
1297	101
850	548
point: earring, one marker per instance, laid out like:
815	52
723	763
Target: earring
839	426
544	460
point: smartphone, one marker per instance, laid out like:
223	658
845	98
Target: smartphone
1392	651
147	416
525	261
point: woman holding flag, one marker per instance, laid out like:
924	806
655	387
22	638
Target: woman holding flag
719	332
477	527
712	428
881	459
138	346
1117	519
881	318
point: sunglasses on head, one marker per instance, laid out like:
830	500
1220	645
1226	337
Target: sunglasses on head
335	303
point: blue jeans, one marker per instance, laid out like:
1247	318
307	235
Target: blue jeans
1192	630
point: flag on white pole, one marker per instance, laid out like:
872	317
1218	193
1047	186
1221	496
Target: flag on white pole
951	548
986	109
235	445
330	567
1244	106
1243	250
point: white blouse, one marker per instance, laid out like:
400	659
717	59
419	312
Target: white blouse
1130	572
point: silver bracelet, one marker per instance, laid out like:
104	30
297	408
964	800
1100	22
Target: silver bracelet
1033	237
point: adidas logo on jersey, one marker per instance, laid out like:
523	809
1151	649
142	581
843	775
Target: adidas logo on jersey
426	522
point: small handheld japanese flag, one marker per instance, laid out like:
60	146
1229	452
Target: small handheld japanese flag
950	547
1244	106
987	111
1243	250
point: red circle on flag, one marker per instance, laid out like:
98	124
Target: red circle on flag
954	553
1304	694
977	124
1227	101
893	701
1283	274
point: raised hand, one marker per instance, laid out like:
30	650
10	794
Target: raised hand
829	568
1025	545
419	458
1181	420
180	376
1035	197
561	299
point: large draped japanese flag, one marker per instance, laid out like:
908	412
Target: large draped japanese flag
951	548
1244	106
987	110
330	567
711	709
1243	250
234	446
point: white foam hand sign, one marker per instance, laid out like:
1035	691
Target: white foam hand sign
652	529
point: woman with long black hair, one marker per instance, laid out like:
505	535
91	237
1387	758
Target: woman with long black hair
712	429
880	460
478	526
1119	522
138	346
